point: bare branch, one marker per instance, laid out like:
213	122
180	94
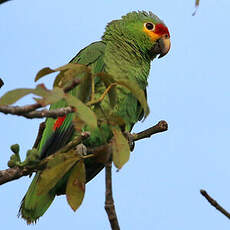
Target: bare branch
214	203
109	203
161	126
49	113
11	174
19	110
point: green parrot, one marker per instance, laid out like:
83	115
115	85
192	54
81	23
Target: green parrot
125	52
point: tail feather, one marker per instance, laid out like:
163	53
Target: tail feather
33	205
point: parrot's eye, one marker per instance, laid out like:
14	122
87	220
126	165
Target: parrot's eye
149	26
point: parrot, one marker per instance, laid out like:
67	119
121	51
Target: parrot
125	51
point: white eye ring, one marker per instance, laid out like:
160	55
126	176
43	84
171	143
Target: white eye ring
149	26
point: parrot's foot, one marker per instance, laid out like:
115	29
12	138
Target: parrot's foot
81	149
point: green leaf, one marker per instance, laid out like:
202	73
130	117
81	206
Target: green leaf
43	72
137	92
69	72
14	95
58	165
75	188
41	90
52	96
83	112
120	146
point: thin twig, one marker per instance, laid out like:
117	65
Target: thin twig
109	203
161	126
214	203
19	110
49	113
16	110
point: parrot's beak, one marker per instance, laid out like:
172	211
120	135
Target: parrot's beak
164	45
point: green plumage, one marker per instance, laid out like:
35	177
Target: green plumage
125	52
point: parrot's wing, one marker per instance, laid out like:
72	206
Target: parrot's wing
58	132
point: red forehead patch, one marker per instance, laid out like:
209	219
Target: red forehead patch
161	29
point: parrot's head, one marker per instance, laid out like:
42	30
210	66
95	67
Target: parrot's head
142	29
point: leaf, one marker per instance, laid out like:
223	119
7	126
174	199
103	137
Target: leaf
120	146
14	95
83	112
69	72
75	188
58	165
41	90
52	96
43	72
137	92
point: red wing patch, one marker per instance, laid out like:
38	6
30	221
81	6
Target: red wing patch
58	122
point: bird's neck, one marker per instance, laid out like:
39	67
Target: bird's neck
124	59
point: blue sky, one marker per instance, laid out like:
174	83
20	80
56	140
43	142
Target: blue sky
189	88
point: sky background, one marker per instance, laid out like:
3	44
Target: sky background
189	88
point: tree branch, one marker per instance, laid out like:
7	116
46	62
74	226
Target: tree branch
23	111
214	203
16	172
109	203
161	126
11	174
